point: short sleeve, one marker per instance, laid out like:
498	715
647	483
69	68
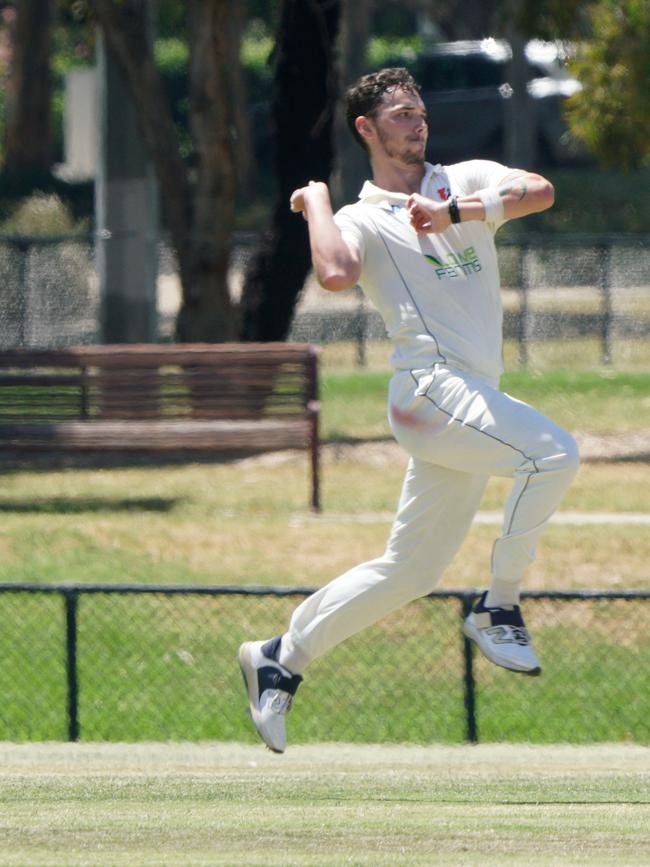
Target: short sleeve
476	175
351	231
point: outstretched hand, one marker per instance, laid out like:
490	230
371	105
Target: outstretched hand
426	215
299	201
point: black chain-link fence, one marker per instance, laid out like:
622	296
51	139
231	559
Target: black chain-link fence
49	291
121	663
554	287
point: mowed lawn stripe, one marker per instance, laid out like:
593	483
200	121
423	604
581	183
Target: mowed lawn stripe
324	805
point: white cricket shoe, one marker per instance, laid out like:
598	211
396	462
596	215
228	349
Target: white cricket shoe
271	689
501	635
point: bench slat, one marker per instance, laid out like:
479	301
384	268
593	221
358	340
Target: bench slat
155	434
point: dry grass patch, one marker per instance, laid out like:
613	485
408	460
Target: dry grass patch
248	523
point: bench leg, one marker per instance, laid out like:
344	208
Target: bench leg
315	468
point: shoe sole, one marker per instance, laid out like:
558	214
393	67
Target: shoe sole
469	631
249	675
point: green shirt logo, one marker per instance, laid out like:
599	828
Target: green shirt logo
455	264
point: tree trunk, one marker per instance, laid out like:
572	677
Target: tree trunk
28	148
304	94
246	171
207	313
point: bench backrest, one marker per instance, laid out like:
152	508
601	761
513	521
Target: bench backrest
168	381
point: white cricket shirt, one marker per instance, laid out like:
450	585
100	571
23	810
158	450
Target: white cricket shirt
439	294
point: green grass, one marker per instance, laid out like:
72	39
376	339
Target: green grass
354	405
605	401
249	523
598	401
323	806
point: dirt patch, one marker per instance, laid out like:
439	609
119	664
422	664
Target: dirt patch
628	446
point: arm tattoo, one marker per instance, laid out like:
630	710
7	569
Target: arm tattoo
519	187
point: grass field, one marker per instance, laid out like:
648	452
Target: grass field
247	522
577	353
194	524
229	804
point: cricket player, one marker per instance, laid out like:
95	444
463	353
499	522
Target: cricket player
420	242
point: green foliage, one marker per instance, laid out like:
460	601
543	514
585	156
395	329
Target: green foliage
73	37
256	57
383	48
257	45
612	113
42	214
172	53
171	56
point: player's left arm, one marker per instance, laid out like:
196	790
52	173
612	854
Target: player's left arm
518	194
524	193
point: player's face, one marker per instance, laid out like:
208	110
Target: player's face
400	123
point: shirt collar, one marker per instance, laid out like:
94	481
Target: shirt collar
373	195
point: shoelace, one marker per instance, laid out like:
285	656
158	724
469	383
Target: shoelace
280	702
520	634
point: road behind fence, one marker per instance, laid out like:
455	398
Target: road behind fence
135	663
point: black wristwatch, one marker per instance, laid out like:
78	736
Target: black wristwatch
454	213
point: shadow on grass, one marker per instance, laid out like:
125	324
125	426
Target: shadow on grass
11	462
77	505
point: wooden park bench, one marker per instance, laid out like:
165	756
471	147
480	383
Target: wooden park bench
162	397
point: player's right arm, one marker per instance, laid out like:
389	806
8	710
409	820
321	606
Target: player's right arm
336	263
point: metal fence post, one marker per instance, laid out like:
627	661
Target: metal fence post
314	419
360	329
522	330
604	259
471	733
22	245
71	599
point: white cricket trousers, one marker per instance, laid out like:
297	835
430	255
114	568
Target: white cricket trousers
459	429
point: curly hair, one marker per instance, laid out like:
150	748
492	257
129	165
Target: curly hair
364	97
